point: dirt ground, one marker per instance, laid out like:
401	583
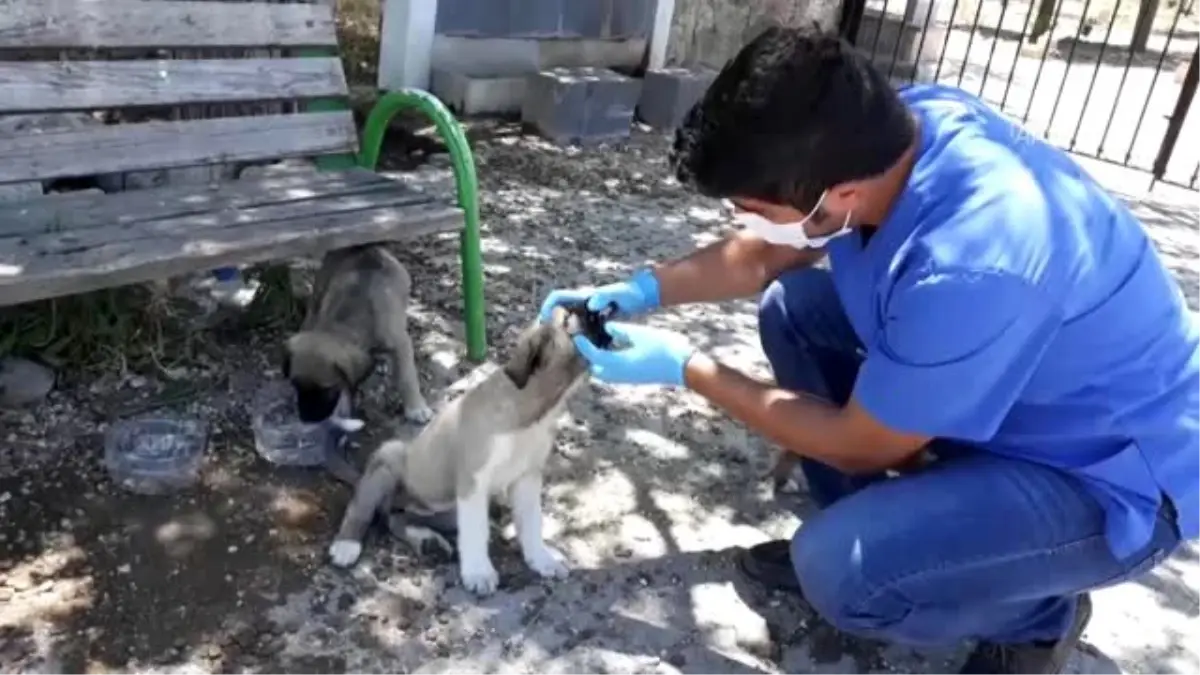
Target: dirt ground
650	492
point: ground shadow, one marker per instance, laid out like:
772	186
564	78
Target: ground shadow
94	577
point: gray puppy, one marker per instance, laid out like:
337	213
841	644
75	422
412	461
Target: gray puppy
359	308
493	440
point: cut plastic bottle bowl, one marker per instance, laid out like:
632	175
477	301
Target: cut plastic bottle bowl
155	455
279	435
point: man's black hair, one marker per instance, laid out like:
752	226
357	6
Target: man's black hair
795	112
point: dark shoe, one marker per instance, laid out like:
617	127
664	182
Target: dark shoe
1031	657
770	564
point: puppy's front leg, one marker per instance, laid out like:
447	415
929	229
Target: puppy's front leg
373	489
474	563
526	501
408	383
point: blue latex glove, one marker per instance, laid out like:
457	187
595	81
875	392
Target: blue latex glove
637	295
640	355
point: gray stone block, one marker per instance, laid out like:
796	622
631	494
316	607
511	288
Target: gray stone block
583	105
668	94
479	94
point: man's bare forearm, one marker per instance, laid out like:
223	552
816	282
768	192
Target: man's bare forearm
735	267
802	424
778	414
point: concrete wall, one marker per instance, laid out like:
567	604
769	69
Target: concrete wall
597	19
709	32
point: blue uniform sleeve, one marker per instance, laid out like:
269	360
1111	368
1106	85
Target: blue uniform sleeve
954	351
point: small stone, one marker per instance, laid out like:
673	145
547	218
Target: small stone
124	569
23	382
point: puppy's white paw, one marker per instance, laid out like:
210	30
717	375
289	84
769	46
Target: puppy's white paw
345	552
547	562
480	578
420	414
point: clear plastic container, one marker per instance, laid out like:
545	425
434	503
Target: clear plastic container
279	435
155	455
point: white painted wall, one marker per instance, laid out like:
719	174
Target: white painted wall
406	43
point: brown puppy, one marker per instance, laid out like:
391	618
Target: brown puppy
359	308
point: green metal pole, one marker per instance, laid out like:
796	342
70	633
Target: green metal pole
468	194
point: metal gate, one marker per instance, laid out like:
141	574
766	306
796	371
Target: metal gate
1108	79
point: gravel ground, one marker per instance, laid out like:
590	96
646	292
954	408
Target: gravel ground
649	495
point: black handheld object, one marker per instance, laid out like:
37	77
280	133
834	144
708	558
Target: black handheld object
591	324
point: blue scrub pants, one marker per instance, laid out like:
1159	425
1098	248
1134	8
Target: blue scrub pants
974	546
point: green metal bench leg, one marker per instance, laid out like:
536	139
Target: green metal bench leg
468	194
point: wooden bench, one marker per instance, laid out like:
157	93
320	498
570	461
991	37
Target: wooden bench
65	244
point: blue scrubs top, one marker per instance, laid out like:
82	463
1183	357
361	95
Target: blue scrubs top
1010	303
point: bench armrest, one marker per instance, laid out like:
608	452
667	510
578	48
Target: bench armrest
466	186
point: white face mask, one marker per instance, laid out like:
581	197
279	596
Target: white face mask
787	234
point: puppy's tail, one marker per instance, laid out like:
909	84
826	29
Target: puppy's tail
373	493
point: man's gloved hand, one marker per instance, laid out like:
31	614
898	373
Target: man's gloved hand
638	294
640	355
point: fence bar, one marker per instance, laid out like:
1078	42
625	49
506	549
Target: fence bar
1062	86
1042	63
1016	56
1186	93
1112	113
1095	72
1154	83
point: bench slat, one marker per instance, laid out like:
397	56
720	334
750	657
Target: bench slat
156	145
204	224
158	24
198	243
76	211
43	86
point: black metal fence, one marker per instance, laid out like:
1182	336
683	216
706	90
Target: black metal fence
1109	79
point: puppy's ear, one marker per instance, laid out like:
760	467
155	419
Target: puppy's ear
526	358
353	363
